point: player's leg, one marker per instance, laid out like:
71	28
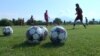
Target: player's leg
75	22
46	22
81	19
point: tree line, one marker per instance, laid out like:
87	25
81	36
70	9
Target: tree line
21	21
31	21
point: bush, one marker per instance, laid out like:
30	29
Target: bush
57	21
5	22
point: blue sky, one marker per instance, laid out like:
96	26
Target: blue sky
64	9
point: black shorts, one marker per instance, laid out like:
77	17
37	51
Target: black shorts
79	17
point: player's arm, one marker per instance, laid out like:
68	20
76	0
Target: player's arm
76	11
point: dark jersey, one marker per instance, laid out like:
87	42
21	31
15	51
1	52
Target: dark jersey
46	16
79	11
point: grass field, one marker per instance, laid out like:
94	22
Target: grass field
80	42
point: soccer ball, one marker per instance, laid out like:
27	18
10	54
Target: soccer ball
34	34
58	35
7	30
45	31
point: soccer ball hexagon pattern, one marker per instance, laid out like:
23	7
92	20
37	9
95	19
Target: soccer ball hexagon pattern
45	31
58	34
7	30
34	34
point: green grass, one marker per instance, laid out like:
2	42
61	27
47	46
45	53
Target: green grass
80	42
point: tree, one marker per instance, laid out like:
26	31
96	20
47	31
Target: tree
64	22
93	20
69	22
39	22
20	21
57	21
14	21
5	22
99	22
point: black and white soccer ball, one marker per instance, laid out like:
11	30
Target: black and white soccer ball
45	31
58	35
7	30
34	34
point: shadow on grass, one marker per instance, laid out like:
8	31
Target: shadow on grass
73	29
70	29
24	45
51	45
2	36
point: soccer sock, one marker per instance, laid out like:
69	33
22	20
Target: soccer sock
84	25
74	26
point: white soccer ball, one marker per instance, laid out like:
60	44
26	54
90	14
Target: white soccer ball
58	35
34	34
45	31
7	30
